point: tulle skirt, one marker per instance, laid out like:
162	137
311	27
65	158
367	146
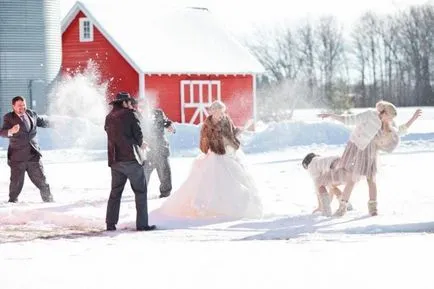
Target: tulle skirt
218	185
359	163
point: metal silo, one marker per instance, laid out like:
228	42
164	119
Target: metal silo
30	51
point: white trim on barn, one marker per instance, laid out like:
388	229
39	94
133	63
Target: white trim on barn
86	29
188	101
142	85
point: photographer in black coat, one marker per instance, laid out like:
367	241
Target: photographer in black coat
126	159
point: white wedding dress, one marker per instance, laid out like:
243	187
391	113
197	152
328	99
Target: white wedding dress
217	186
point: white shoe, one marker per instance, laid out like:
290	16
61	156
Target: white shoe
325	204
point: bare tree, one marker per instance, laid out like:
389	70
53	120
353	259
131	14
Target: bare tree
360	51
370	23
277	52
392	56
388	33
416	40
307	46
330	55
427	45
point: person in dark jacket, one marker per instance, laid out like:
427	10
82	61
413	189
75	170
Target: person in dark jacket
159	151
24	154
126	159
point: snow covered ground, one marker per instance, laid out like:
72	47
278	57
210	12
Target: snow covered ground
61	245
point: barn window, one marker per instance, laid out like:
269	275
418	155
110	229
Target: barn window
86	30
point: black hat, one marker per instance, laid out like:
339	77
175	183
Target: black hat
122	96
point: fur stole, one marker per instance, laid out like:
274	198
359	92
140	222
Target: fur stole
213	135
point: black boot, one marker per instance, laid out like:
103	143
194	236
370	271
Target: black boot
111	227
147	228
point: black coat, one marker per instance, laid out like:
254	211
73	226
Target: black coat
124	136
24	144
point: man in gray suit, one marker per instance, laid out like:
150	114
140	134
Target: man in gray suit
158	156
154	123
126	159
24	154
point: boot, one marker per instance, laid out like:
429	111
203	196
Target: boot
342	208
349	205
147	228
372	208
111	227
48	199
325	205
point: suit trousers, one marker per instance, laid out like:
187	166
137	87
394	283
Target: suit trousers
134	172
161	164
35	171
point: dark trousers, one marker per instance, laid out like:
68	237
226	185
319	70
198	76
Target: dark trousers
121	172
161	164
35	171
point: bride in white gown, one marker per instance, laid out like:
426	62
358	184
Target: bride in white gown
218	183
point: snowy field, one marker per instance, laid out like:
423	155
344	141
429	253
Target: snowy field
61	245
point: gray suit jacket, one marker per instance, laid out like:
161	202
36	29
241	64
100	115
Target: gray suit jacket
23	145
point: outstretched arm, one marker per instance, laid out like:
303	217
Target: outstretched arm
163	120
332	116
351	119
402	130
235	130
247	125
41	122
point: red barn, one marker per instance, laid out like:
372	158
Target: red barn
182	58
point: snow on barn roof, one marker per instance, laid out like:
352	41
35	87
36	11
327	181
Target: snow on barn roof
170	40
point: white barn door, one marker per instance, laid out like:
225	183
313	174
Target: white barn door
196	96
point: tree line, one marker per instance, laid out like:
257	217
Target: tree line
319	64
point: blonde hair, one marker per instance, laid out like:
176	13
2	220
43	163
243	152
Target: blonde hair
387	107
217	105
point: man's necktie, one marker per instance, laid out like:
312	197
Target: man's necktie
26	124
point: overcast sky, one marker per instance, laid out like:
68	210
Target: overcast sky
244	16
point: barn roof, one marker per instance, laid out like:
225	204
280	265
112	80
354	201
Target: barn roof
170	40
